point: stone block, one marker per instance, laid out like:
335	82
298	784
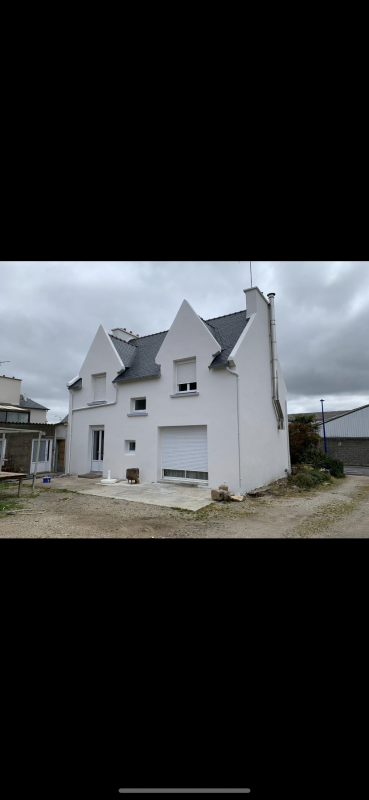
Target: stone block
133	474
217	495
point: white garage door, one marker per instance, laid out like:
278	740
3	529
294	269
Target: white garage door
185	453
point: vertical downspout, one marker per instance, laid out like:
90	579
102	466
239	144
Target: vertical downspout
233	372
2	450
276	401
70	425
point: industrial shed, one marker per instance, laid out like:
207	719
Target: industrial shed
347	437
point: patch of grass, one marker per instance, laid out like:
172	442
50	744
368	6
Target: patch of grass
9	504
183	510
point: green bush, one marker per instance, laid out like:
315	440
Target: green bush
308	478
320	460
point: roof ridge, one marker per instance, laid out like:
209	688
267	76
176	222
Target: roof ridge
226	315
148	336
120	340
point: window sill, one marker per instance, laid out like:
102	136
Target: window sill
98	403
138	414
185	394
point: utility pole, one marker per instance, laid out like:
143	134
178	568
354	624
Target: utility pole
325	440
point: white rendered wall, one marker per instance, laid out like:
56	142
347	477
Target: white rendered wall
37	414
264	448
10	390
61	431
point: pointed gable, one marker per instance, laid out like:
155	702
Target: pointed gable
187	336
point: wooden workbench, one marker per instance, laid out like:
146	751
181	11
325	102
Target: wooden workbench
7	476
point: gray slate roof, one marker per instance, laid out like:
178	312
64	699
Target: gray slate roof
139	355
30	404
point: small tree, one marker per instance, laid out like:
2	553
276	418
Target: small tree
303	431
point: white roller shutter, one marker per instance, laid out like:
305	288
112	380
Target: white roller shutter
186	373
185	448
100	388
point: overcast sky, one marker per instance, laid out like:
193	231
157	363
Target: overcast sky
50	312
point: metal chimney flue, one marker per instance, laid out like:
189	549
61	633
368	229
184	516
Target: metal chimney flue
274	362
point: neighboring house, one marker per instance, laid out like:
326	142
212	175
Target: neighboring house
204	402
19	412
347	436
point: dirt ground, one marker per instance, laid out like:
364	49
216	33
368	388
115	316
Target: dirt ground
339	510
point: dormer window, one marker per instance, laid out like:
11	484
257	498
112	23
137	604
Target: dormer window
99	384
186	376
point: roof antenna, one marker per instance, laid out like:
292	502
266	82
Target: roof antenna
250	272
4	362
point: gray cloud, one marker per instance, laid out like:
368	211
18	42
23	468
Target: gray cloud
50	312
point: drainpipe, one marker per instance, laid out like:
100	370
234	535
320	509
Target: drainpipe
2	450
70	426
276	401
233	372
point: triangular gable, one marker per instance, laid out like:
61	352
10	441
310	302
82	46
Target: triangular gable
102	350
187	333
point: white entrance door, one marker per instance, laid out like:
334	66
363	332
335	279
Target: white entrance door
97	450
185	453
44	458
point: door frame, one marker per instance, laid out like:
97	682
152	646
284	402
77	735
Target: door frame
48	462
93	429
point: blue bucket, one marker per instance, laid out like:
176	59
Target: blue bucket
47	480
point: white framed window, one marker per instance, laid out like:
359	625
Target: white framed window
99	387
130	447
186	376
186	474
139	404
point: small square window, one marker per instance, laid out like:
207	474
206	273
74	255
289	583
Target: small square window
182	387
193	387
132	446
140	405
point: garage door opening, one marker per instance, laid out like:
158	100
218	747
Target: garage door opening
185	454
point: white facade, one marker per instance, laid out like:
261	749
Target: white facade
10	390
234	416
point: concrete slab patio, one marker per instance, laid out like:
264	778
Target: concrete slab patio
189	498
155	494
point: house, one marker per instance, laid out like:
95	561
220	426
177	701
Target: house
204	402
25	417
347	436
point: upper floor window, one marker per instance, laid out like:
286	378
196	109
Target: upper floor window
186	376
14	416
99	383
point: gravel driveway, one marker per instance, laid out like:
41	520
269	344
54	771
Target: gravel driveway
339	510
